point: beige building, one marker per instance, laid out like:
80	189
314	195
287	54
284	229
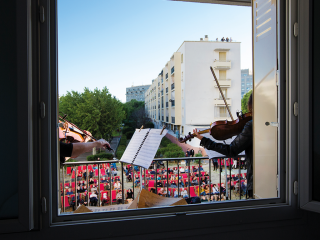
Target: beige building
184	95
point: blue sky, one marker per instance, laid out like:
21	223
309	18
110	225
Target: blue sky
120	43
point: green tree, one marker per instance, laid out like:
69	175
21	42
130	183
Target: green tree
135	114
96	111
244	102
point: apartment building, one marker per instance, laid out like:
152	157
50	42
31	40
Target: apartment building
246	81
185	95
136	92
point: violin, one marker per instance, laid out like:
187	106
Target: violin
222	130
76	136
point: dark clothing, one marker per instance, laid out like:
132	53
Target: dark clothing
65	151
243	142
129	195
191	152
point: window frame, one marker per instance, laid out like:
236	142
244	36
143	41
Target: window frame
25	123
305	91
272	210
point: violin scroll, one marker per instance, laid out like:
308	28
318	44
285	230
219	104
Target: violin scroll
186	138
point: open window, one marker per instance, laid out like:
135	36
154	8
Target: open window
269	95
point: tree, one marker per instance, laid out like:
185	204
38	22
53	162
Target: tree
135	114
96	111
244	102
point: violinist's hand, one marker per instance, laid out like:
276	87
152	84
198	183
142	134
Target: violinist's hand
103	143
195	131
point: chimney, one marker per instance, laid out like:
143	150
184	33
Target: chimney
206	38
201	39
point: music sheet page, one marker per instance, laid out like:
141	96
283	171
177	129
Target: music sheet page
134	145
149	148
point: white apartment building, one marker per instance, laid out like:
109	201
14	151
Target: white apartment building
185	96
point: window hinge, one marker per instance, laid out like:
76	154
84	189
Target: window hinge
295	188
42	17
44	205
42	110
295	109
295	29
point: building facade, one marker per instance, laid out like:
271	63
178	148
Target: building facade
246	82
185	96
136	92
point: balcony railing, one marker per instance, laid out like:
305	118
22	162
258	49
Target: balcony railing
172	86
220	102
222	64
173	120
167	104
78	179
223	83
172	70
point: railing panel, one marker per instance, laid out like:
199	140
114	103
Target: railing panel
101	184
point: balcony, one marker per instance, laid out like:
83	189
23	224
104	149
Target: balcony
172	70
167	75
222	65
223	83
74	186
159	106
172	86
162	79
173	120
167	104
161	92
220	103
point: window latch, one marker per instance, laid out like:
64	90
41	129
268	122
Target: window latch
272	124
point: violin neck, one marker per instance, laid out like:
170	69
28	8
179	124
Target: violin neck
203	131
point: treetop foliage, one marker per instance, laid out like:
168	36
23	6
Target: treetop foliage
244	102
96	111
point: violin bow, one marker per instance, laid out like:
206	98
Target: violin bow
224	99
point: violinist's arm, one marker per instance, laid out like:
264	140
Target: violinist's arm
79	148
195	131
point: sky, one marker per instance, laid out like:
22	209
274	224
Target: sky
117	44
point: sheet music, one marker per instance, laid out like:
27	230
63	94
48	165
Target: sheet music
134	145
213	154
149	148
144	147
